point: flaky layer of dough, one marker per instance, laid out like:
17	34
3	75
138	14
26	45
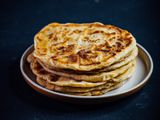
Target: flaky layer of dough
82	47
112	84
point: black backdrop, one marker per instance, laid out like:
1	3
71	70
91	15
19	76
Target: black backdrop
20	20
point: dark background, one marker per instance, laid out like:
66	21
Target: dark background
20	20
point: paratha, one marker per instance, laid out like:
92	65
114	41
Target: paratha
82	47
38	70
113	82
68	79
98	92
99	77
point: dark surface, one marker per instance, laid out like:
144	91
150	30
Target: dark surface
20	20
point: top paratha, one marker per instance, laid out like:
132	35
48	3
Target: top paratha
82	47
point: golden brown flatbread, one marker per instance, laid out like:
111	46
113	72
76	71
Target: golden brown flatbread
82	47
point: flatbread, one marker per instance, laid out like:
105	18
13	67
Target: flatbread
82	47
65	79
112	84
100	75
38	70
121	62
98	92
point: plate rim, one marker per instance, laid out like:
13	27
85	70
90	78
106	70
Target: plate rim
139	85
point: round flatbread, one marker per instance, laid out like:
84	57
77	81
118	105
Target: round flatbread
99	77
112	84
69	78
38	70
82	47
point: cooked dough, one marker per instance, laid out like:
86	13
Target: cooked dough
82	47
101	88
101	75
70	78
83	59
38	70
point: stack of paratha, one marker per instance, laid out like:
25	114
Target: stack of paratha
83	59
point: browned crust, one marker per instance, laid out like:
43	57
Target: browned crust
58	43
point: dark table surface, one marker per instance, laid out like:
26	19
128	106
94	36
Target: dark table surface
20	20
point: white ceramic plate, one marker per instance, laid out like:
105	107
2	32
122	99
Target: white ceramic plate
140	77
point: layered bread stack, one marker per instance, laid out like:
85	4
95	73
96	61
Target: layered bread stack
83	59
